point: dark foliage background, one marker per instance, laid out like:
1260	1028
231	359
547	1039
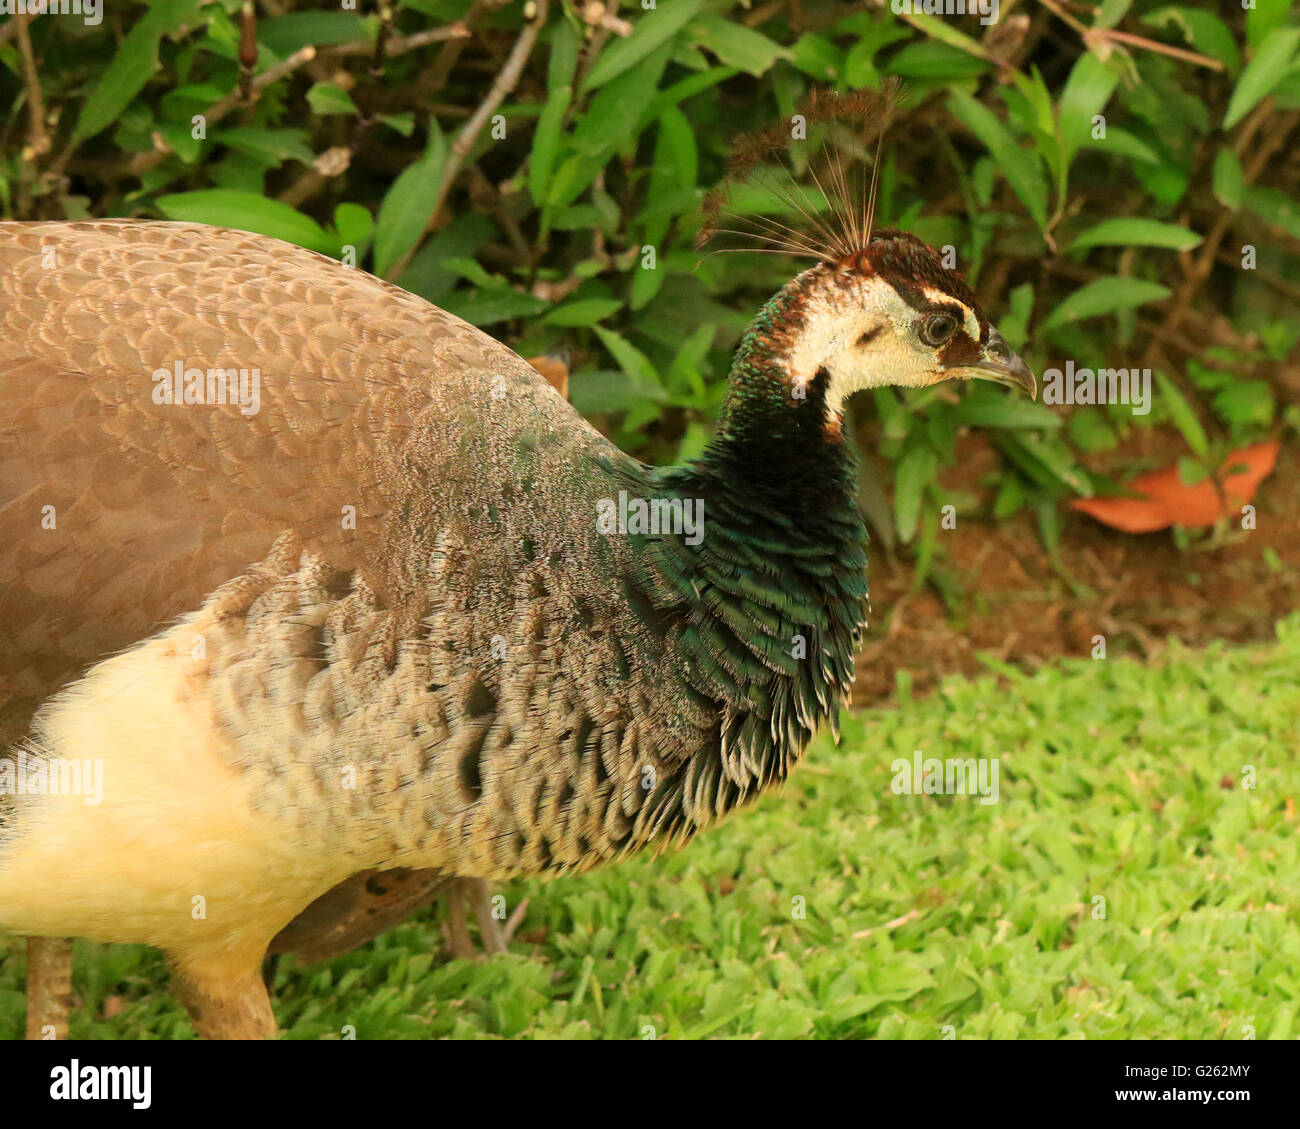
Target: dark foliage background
1099	170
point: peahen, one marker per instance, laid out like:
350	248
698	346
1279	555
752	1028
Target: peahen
390	604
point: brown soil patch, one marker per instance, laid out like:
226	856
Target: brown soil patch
1137	590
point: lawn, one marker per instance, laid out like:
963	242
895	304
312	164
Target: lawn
1129	882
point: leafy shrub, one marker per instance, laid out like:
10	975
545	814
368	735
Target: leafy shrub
1101	184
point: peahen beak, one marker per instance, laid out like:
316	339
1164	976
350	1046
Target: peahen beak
1000	363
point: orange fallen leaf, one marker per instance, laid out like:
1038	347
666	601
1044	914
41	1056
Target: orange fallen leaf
556	372
1163	499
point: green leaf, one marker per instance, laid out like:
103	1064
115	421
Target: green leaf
1190	472
612	117
982	407
546	142
860	67
550	122
630	359
654	28
403	123
285	34
672	189
1049	524
1105	296
1010	497
584	312
277	144
929	59
409	203
1087	90
355	225
1228	178
487	307
1275	206
1112	11
180	136
1045	460
817	57
611	121
1020	166
1091	432
1184	417
1014	324
1122	142
462	237
936	28
1203	30
694	441
132	65
688	87
563	62
737	45
1132	231
1246	404
326	98
1262	17
684	376
1271	64
913	475
245	211
646	284
473	272
608	390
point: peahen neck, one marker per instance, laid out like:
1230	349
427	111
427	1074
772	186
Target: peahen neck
774	597
775	435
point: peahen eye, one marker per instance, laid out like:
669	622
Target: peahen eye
937	328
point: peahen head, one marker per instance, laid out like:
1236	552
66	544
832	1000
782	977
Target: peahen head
889	313
879	307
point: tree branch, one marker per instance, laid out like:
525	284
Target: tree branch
460	148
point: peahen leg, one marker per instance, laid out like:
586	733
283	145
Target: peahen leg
358	910
223	1005
478	893
49	987
372	902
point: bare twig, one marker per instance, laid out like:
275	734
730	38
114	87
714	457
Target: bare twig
503	86
591	50
331	163
39	142
1199	269
1061	14
596	13
1093	35
395	47
910	915
1163	48
437	75
35	103
220	109
970	47
516	919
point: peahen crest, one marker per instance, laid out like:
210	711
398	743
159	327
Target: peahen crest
837	215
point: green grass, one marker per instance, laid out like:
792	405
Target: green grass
1117	780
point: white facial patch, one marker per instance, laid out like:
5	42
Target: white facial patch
832	337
